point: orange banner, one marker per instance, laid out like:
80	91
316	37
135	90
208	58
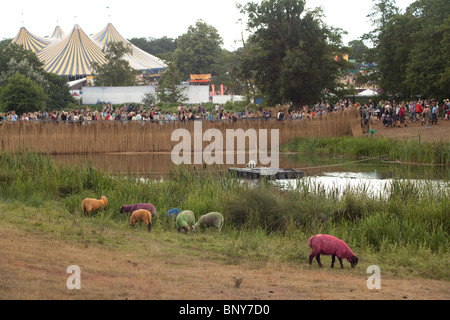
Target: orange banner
200	76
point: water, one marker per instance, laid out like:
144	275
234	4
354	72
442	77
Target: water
335	174
371	184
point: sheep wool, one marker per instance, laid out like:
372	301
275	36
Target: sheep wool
173	213
88	205
141	215
212	219
184	220
133	207
329	245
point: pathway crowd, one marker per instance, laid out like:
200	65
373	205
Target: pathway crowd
390	113
396	114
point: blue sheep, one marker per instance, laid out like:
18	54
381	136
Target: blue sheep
173	213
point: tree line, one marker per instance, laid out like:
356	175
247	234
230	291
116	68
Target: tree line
291	56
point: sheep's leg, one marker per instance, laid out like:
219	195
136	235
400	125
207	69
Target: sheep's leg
311	257
340	261
318	260
333	258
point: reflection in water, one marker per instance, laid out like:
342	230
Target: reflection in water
321	174
158	165
336	184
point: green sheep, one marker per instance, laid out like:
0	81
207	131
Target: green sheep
185	219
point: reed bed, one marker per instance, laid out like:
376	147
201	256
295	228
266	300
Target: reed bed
407	151
111	137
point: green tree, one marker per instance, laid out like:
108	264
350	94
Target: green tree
409	49
358	50
10	51
291	51
169	89
427	60
198	50
444	81
26	63
160	47
57	91
22	94
116	71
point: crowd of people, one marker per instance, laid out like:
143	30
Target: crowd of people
389	113
394	114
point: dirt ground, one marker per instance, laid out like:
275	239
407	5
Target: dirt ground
33	267
439	132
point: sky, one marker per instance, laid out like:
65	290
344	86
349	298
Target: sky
171	18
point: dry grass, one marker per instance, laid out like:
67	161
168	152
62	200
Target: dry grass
105	137
34	267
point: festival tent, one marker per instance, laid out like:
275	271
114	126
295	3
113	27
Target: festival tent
58	34
138	59
368	93
29	41
73	55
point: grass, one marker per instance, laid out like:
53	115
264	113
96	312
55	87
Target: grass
405	232
395	150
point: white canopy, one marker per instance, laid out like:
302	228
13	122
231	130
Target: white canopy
368	93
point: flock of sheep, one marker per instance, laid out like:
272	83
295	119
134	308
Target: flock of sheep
185	221
144	212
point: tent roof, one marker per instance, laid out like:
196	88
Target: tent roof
368	93
73	55
29	41
58	33
139	59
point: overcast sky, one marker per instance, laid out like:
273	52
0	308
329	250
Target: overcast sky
171	18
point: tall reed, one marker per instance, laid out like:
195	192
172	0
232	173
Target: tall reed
110	137
399	150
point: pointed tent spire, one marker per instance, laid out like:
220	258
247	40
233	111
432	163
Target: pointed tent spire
58	34
73	55
29	41
139	59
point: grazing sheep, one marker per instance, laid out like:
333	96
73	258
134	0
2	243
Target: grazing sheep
137	206
251	164
88	205
184	220
173	213
212	219
141	215
329	245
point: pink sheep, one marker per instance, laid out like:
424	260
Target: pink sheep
331	246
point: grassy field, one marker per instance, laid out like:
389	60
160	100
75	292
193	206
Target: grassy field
406	233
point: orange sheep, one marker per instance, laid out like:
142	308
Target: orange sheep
141	215
88	205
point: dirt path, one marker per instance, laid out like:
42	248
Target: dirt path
439	132
33	267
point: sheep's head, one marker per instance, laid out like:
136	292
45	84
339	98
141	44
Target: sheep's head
353	261
149	227
186	229
121	209
194	229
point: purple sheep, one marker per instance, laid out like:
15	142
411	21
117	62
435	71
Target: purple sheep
331	246
139	206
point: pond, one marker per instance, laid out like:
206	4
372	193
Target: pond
158	166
